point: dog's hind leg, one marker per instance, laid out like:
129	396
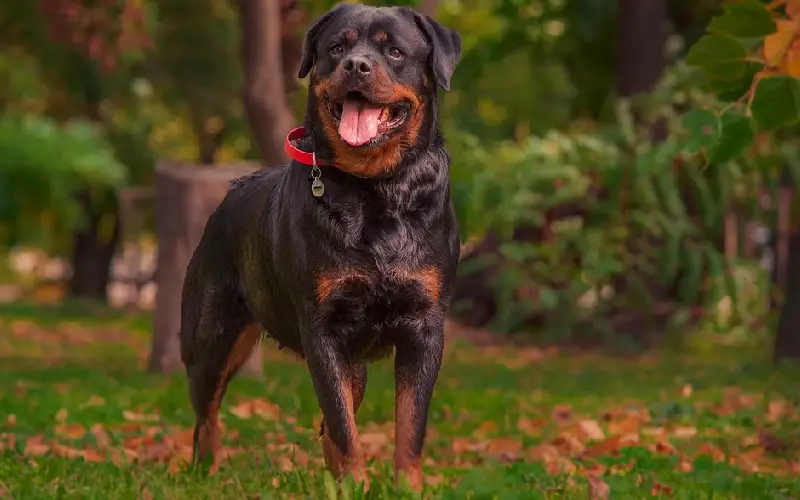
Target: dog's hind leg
215	344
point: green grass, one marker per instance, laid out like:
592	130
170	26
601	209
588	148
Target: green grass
724	426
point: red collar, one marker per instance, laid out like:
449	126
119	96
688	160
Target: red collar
295	154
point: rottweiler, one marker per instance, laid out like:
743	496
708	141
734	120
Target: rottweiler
349	251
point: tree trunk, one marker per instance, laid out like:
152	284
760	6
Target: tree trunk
186	196
787	341
641	35
264	93
293	22
94	244
786	274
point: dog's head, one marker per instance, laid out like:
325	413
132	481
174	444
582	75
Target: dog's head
372	94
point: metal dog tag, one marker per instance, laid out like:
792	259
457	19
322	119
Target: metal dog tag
317	187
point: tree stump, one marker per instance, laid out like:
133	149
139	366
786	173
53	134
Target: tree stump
186	195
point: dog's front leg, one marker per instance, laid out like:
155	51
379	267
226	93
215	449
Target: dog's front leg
338	384
417	361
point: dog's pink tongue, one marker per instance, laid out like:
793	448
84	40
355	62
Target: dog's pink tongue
359	122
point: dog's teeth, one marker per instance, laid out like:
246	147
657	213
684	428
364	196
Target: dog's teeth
385	114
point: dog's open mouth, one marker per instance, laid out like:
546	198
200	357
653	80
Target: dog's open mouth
362	122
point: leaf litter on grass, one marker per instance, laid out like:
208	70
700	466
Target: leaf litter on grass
581	445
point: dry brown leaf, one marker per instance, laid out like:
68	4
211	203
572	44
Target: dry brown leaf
70	431
591	430
61	415
661	489
777	409
562	414
486	428
560	466
94	401
139	417
532	427
612	445
685	465
627	425
684	432
711	450
568	444
374	439
35	446
598	489
543	452
461	445
504	448
664	447
95	456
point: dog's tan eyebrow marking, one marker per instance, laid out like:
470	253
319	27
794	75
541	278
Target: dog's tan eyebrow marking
381	36
350	35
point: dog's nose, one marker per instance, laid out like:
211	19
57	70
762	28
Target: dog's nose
357	65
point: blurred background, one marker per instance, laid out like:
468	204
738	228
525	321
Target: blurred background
122	123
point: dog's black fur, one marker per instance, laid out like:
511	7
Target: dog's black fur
341	279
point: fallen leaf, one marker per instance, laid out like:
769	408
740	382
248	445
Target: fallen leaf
661	489
532	427
486	428
560	466
612	445
94	401
35	446
461	445
777	409
591	430
61	415
562	414
70	431
139	417
628	425
664	447
684	432
503	449
598	490
568	444
543	452
711	450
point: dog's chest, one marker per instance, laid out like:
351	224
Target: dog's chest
387	291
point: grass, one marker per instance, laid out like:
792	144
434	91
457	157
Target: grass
79	418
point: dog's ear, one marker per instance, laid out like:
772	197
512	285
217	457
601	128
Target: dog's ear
445	48
312	37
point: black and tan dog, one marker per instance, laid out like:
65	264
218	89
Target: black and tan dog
360	264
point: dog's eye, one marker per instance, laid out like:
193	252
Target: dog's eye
395	53
336	50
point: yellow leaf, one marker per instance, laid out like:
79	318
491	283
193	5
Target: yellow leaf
791	63
776	44
793	8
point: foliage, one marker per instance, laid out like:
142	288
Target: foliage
751	58
41	167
